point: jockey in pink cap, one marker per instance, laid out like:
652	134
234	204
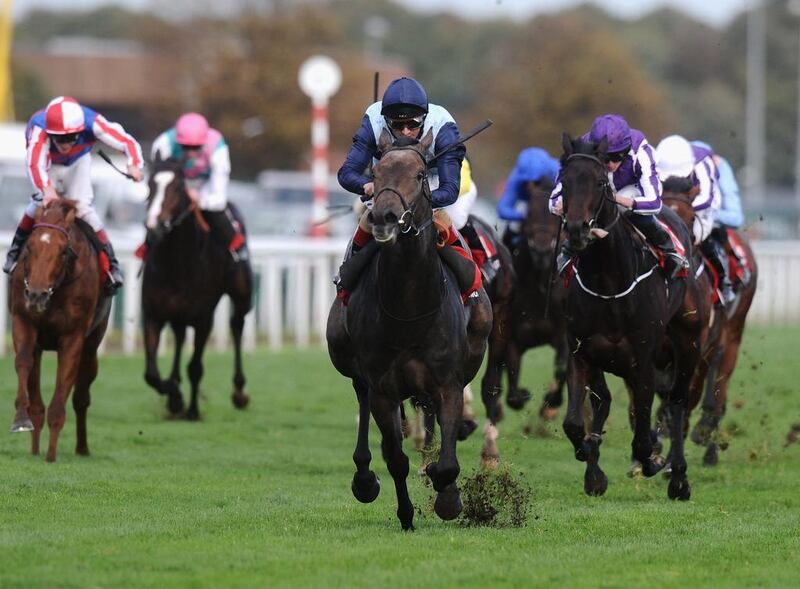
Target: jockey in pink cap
59	140
207	170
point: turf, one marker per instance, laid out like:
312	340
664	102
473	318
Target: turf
262	497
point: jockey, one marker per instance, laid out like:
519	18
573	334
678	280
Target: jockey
534	166
691	169
207	169
634	179
59	140
405	111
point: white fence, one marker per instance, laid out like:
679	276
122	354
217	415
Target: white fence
294	291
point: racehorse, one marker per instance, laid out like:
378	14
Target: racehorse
725	333
622	318
406	332
186	272
57	302
530	328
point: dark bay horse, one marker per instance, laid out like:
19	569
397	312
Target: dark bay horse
186	272
622	318
407	333
533	261
57	303
723	336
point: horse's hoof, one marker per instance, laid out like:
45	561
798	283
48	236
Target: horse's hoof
240	399
467	427
679	489
366	488
595	482
448	503
699	437
175	404
711	457
82	451
192	415
653	465
548	413
21	425
517	401
635	470
51	456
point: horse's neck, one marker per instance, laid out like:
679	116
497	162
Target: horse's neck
409	273
181	247
610	263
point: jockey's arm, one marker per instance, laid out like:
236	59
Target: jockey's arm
351	175
214	193
648	199
506	206
730	212
113	135
556	205
707	198
38	159
448	166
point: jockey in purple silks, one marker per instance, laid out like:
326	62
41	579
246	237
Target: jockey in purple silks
59	142
632	170
688	168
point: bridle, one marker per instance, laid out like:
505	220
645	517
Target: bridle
68	255
406	221
606	193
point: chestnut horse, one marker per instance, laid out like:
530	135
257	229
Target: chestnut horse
406	332
57	303
186	272
623	318
724	336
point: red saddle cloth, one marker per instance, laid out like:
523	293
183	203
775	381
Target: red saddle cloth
678	248
738	264
104	266
714	275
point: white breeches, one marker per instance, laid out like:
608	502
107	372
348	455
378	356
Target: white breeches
459	211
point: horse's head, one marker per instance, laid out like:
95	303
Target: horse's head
402	196
585	190
168	203
678	194
48	255
540	228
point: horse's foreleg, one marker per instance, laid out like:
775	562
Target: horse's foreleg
687	359
152	336
82	398
365	486
36	408
239	397
387	416
179	329
24	360
574	426
555	395
595	481
69	359
195	369
444	472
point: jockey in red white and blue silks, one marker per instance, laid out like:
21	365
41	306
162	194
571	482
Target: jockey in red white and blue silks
632	171
688	168
207	170
59	140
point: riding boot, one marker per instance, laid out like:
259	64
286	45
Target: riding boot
487	265
718	257
720	234
564	258
115	270
466	271
353	265
674	262
20	237
227	230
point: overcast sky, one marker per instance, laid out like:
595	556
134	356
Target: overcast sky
713	12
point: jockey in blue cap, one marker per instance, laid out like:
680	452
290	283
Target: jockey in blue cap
404	111
631	166
534	166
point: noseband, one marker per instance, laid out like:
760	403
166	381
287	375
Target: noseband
406	221
605	188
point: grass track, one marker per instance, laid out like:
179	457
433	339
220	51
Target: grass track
262	497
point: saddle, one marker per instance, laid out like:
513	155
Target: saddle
102	258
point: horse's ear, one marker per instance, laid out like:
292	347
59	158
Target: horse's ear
158	159
566	143
37	216
427	141
69	218
602	147
384	141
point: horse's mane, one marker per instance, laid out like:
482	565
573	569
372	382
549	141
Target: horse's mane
59	210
